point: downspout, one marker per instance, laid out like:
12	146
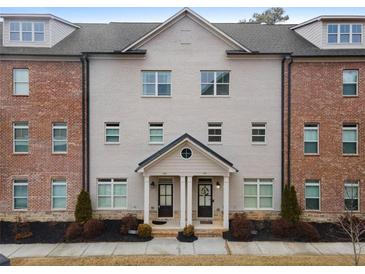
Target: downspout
82	59
282	120
289	118
85	122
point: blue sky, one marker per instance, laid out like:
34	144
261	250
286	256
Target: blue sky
103	15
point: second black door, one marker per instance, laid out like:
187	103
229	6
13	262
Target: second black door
205	201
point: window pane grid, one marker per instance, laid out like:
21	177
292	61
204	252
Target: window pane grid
312	195
258	194
156	133
20	194
156	83
349	139
21	137
344	33
59	194
258	132
214	132
112	132
27	31
214	83
59	138
116	196
20	81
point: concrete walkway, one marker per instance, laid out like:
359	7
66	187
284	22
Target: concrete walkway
170	246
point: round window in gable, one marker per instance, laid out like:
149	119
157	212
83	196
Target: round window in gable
186	153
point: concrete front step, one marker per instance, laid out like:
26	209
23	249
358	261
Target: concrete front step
198	232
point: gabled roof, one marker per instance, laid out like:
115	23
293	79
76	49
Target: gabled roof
329	17
178	141
37	16
175	18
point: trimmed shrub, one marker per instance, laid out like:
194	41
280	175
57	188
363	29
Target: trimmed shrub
83	210
281	228
240	226
144	231
188	231
93	228
290	209
73	231
128	222
308	231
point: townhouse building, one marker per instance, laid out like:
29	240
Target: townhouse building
184	121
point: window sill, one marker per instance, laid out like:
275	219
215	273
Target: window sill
312	210
155	143
154	96
215	143
59	209
259	144
59	153
215	96
20	95
258	209
350	155
20	153
312	154
112	143
350	96
21	210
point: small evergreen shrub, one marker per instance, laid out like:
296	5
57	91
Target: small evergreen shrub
93	228
83	210
128	222
188	231
281	228
308	231
144	231
290	209
240	226
73	231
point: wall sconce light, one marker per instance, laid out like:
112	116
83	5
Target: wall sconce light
152	184
218	185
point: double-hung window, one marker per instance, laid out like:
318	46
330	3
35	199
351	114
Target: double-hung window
214	83
20	82
311	143
350	82
59	138
21	137
258	193
27	31
156	83
112	133
312	195
344	33
112	193
156	133
258	133
59	194
351	195
20	194
349	139
215	132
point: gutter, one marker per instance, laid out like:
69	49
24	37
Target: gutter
282	120
289	117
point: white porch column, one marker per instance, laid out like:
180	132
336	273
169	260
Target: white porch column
146	211
190	200
226	202
182	201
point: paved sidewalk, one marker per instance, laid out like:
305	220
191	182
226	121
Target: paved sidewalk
170	246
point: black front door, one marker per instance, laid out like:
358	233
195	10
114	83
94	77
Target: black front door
165	201
205	201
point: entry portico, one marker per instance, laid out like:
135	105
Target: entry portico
181	169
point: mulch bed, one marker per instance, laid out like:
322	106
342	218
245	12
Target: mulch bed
53	232
261	231
182	238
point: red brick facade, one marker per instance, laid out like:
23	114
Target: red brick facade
55	96
316	97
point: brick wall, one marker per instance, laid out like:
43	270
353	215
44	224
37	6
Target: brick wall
317	97
55	96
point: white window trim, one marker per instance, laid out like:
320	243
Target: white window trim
185	159
357	82
112	183
32	31
258	183
319	195
357	184
357	140
262	126
53	183
13	194
14	140
15	82
156	84
215	84
53	140
350	33
307	126
150	126
215	127
111	127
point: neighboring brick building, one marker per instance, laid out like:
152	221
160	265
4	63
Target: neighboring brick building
319	103
55	96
